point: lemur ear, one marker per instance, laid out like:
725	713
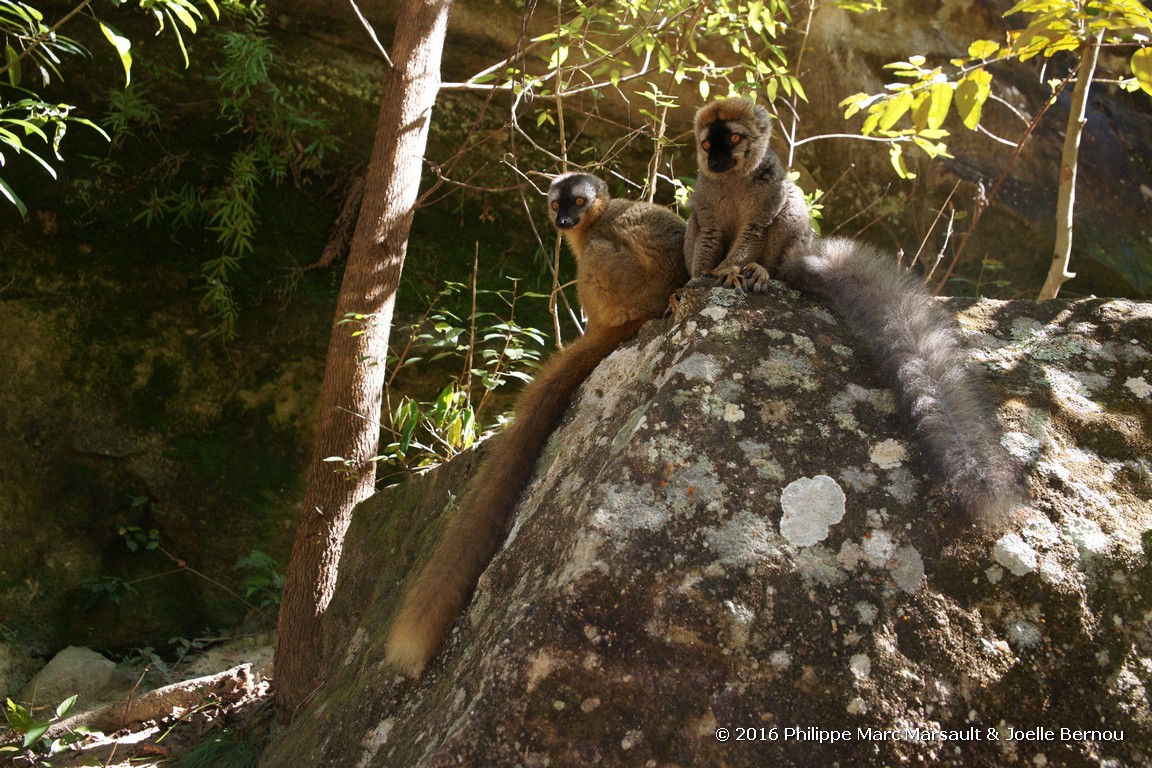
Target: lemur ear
763	119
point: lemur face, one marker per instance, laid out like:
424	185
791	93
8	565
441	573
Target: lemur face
571	197
732	135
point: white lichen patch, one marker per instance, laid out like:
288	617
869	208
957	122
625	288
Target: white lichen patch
907	569
715	312
700	367
811	507
1023	634
902	485
803	344
866	612
860	666
878	548
780	659
1015	554
629	508
1139	386
858	479
1090	541
782	369
888	454
818	564
1070	391
743	540
733	413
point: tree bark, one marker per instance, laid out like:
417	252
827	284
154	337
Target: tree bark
354	370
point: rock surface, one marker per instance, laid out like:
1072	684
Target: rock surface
732	533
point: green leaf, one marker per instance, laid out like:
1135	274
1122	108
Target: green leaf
15	74
1142	68
13	198
35	731
123	47
64	707
704	90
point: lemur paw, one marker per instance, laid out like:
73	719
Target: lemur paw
751	277
729	277
755	276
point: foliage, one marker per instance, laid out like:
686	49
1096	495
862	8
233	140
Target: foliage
924	101
281	138
35	51
491	351
225	749
261	581
1079	27
32	730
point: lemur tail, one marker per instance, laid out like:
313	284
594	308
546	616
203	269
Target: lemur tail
919	350
480	524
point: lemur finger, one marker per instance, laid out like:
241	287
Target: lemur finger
757	276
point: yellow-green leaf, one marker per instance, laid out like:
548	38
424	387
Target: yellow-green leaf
1142	68
896	155
982	49
559	56
123	47
704	87
897	107
971	94
939	101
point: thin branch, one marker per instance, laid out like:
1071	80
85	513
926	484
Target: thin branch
371	32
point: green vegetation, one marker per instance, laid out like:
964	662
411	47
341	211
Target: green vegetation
32	731
1077	27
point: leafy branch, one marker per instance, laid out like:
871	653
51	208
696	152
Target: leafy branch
915	111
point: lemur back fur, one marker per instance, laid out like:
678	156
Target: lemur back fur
749	222
629	262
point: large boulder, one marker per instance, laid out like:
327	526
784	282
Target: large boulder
732	535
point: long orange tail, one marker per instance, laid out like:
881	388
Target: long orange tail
481	523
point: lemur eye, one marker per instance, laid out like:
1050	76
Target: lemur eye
555	205
735	138
706	144
580	201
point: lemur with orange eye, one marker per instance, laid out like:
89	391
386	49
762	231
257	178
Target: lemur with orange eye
629	262
750	222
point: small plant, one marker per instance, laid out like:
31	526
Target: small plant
33	741
261	582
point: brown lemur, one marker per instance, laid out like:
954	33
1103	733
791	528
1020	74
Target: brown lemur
750	222
629	262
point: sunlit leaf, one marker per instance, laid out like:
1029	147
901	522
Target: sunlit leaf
982	49
895	109
1141	64
123	47
896	155
971	94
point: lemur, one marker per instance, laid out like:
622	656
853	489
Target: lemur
629	262
750	222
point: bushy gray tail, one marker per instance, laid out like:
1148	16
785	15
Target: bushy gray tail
919	349
480	524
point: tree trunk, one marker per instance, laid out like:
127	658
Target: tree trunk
354	371
1058	272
